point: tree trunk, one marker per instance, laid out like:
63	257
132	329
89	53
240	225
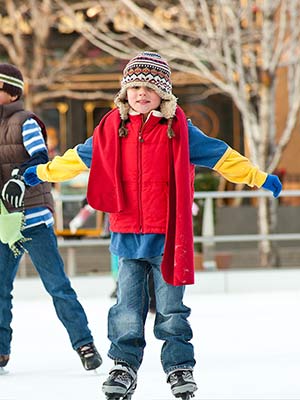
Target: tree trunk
263	229
258	134
267	221
28	100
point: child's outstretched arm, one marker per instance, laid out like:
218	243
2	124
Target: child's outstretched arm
238	169
215	154
61	168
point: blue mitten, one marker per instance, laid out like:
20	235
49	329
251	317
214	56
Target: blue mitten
273	184
30	176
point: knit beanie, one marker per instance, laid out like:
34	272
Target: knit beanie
11	80
151	70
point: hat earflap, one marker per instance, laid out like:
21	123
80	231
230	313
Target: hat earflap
168	107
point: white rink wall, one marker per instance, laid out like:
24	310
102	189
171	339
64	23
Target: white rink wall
205	282
246	336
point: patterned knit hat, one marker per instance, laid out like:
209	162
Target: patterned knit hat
11	80
151	70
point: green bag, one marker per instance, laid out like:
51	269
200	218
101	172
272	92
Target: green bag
11	225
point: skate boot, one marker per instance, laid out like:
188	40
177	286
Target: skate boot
182	383
121	383
89	356
4	358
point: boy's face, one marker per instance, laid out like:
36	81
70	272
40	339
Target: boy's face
6	98
143	99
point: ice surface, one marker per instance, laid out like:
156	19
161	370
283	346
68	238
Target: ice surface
247	346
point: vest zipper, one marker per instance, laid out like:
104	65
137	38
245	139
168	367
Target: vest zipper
140	173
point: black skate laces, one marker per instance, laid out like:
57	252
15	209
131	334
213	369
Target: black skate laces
87	350
123	372
122	377
185	374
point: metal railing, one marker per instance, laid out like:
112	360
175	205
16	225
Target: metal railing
208	238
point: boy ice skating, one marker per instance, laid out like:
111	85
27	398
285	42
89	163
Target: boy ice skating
141	159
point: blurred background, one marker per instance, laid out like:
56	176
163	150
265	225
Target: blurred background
236	73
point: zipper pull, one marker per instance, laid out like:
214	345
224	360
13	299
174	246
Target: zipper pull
141	137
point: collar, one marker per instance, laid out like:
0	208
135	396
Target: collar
6	110
155	113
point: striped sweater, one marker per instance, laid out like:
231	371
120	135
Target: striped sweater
34	142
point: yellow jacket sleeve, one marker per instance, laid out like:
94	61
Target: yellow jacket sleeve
238	169
62	168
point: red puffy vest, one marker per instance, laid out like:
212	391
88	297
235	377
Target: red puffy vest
145	182
144	170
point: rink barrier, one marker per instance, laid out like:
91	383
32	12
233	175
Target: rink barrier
208	238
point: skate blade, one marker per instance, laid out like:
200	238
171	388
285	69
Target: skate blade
3	371
95	371
118	396
185	396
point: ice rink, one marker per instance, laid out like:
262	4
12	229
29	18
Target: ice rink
246	337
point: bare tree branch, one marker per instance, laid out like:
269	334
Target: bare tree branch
95	95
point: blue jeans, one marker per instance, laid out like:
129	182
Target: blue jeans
43	251
126	319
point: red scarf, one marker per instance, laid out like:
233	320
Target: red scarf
105	192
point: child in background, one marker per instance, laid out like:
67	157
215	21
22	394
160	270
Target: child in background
142	172
81	217
23	144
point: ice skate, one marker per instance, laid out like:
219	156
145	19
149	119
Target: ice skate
121	383
182	383
3	362
89	356
3	371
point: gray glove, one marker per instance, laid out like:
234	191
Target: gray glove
13	191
